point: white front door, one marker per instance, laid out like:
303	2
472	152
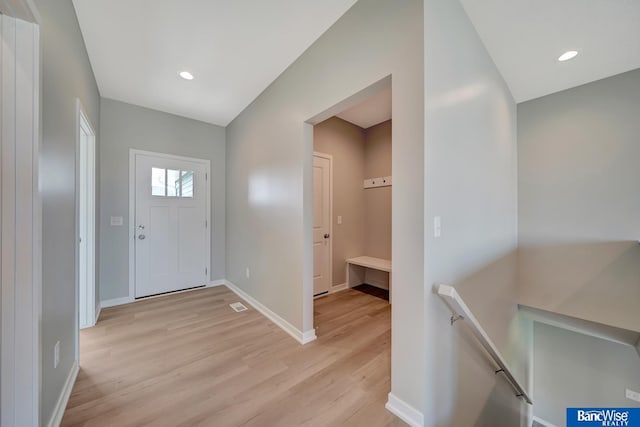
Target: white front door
321	225
171	224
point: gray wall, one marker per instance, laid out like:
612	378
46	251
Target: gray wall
345	142
124	126
377	201
575	370
578	163
67	75
377	162
470	182
270	149
579	209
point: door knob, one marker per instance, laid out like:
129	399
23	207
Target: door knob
141	236
326	236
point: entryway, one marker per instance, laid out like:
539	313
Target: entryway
352	199
170	244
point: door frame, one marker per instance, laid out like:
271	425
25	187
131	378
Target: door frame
132	211
330	158
20	215
82	121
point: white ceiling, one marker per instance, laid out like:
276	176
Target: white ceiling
525	38
370	112
235	49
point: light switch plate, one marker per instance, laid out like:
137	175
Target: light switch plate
339	219
56	355
116	221
436	226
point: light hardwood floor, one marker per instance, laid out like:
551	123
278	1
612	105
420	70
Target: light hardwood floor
188	359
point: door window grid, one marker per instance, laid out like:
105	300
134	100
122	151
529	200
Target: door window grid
171	182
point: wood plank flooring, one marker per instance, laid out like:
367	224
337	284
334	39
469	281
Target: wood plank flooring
189	360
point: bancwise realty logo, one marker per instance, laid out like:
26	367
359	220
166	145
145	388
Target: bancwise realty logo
603	417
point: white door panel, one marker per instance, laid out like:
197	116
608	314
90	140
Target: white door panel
171	224
321	225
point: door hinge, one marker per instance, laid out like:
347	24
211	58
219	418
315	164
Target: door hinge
206	271
206	223
206	176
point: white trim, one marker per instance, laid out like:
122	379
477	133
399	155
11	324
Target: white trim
98	311
301	337
404	411
333	290
22	9
132	209
543	422
330	158
20	221
339	288
527	417
116	301
83	123
308	336
61	404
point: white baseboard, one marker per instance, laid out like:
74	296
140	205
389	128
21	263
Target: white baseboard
115	301
404	411
308	336
98	311
301	337
214	283
65	393
543	422
338	288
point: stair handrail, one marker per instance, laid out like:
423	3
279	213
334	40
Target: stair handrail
462	312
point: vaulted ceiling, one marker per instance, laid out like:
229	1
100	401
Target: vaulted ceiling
526	37
234	49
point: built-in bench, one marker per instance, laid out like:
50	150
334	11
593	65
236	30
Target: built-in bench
356	269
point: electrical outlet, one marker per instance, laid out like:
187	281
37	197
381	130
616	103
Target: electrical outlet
248	273
633	395
339	219
56	355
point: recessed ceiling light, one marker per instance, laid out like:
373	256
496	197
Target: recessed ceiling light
568	55
186	75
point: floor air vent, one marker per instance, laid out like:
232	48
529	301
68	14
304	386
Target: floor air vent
238	307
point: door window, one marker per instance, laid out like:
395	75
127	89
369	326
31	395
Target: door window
171	182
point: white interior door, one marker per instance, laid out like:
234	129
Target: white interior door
86	222
171	224
321	225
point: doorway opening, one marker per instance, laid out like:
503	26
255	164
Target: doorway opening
352	202
86	223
